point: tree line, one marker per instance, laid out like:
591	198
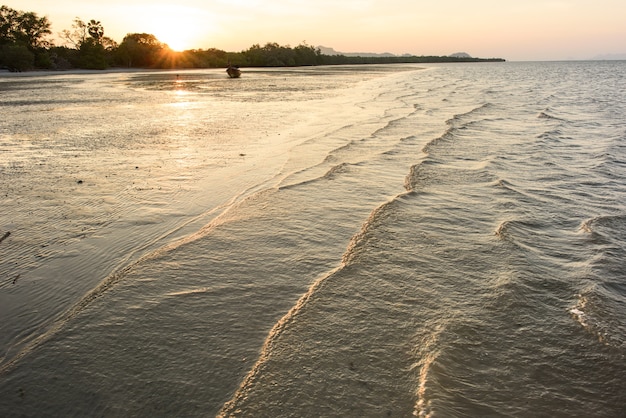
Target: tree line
25	45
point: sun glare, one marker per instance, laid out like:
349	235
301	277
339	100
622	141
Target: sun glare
179	28
176	41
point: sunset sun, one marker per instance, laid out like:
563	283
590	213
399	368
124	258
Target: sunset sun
179	28
176	40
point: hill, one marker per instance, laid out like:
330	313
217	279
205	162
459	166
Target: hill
330	51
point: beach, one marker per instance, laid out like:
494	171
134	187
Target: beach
433	240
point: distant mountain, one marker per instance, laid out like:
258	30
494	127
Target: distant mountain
460	55
330	51
609	57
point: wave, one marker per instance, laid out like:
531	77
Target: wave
457	122
501	229
605	228
419	175
359	240
599	310
430	351
336	170
332	173
270	346
190	292
382	141
600	306
555	135
221	214
613	222
432	171
546	115
448	135
518	228
289	332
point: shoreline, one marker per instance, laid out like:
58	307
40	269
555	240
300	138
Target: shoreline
77	71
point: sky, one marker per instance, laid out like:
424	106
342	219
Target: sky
517	30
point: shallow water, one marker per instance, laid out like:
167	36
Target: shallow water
348	241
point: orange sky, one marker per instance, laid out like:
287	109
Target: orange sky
515	30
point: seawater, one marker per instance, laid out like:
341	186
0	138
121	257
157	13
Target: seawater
435	240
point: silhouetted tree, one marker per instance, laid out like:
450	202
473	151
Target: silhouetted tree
63	58
23	37
77	36
17	57
140	50
24	28
95	30
209	58
8	25
24	45
92	56
95	51
270	55
307	55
